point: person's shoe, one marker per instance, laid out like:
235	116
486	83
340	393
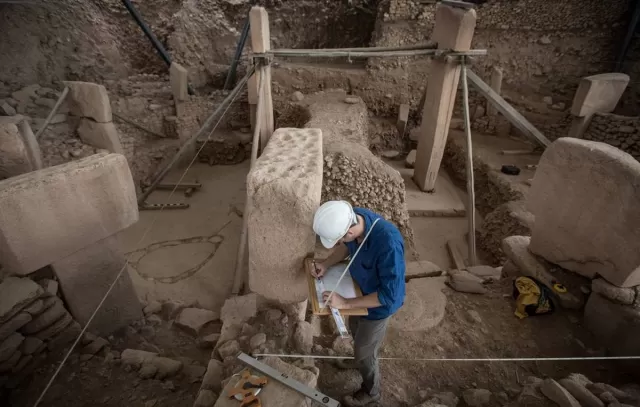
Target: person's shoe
361	398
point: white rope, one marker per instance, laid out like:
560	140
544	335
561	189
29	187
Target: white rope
144	235
351	261
552	359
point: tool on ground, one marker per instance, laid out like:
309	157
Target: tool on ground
188	187
247	389
313	394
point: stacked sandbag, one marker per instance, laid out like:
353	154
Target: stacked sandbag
33	322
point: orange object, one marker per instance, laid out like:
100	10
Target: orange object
245	387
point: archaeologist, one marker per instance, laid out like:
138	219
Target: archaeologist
379	270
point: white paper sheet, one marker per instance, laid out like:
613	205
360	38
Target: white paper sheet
329	280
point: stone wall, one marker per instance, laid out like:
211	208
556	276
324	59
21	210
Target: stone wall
33	323
543	50
622	132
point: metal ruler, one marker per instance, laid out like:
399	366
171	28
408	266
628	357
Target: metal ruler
295	385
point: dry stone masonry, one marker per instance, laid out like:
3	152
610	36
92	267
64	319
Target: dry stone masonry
622	132
33	323
284	189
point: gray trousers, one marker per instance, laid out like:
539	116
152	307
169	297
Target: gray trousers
368	336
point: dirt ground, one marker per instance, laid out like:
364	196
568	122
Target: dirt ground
406	381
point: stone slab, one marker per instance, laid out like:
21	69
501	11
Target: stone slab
89	100
558	394
14	159
424	305
276	394
178	76
100	135
9	345
584	197
599	94
16	293
31	144
47	318
239	309
59	210
85	277
284	189
615	326
625	296
403	119
516	248
580	392
13	324
422	268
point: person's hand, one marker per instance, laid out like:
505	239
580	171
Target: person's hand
319	270
337	301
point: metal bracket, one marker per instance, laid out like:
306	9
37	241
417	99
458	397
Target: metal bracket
262	58
313	394
156	207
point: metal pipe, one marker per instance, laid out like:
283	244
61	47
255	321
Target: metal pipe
154	40
231	76
366	54
205	127
242	248
471	206
61	99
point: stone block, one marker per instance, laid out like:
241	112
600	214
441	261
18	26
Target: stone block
14	159
100	135
9	345
178	76
558	394
193	320
423	307
584	197
620	295
85	277
13	324
16	293
239	309
599	94
89	100
47	318
58	210
615	326
275	393
403	119
284	190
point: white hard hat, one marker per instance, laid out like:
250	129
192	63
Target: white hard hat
332	221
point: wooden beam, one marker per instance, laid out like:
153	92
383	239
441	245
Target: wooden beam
496	85
456	256
454	30
260	43
507	110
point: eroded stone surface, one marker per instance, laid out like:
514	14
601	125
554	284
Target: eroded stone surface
89	199
424	305
100	135
616	326
584	197
89	100
14	159
599	93
15	293
284	188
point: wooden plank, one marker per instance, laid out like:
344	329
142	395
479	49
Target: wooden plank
456	256
260	43
454	30
315	306
507	110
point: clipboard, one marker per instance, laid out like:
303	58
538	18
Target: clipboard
315	305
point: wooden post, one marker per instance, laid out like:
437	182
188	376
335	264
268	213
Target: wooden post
261	42
496	85
454	30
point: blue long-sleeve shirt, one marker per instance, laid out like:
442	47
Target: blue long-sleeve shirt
379	266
